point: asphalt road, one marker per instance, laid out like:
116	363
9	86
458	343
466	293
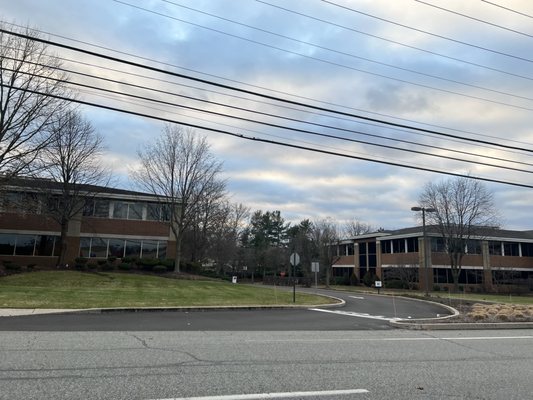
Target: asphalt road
361	312
395	364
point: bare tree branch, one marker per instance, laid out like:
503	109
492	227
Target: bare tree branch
25	117
180	169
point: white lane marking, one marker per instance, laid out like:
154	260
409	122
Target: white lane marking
286	395
406	339
357	297
355	314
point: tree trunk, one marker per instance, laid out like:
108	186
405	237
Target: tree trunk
64	245
177	260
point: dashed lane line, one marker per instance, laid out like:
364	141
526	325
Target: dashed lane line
285	395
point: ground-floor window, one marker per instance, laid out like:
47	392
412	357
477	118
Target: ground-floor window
113	247
29	245
466	276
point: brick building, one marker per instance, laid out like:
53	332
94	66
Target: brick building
493	259
111	222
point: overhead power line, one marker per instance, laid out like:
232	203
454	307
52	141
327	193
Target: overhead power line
508	9
258	94
255	139
501	53
474	18
338	64
348	28
328	103
277	106
304	122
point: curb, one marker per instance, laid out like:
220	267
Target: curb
415	325
28	312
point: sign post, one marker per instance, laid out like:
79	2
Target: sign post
378	285
315	267
295	260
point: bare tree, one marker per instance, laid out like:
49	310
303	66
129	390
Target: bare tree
224	246
180	169
29	79
71	160
326	239
463	209
354	227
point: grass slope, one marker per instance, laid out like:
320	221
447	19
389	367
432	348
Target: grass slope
70	289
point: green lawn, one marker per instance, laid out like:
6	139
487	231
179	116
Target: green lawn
70	289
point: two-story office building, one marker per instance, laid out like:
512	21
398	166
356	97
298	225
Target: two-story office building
111	222
494	257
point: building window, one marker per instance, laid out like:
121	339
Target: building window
7	244
149	249
25	245
350	249
96	208
398	246
527	249
162	250
133	248
412	245
386	247
116	248
124	210
511	249
44	245
473	247
101	208
495	248
438	245
103	248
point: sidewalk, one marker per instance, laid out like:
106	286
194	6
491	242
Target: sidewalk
14	312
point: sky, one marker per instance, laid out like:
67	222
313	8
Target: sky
462	69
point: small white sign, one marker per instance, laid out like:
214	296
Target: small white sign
233	279
378	284
315	267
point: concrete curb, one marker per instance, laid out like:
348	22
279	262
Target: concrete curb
415	325
7	312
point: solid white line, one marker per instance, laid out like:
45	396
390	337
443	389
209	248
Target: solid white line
357	297
355	314
286	395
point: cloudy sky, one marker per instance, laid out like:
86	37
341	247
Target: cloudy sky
463	69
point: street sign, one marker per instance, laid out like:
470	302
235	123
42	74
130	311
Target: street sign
378	284
315	267
294	259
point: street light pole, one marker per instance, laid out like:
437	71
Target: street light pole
426	255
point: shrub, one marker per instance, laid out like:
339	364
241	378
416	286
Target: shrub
31	267
436	288
11	266
108	267
169	263
129	260
81	260
502	316
92	266
101	262
395	284
148	264
112	259
124	266
80	266
160	269
188	266
369	279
